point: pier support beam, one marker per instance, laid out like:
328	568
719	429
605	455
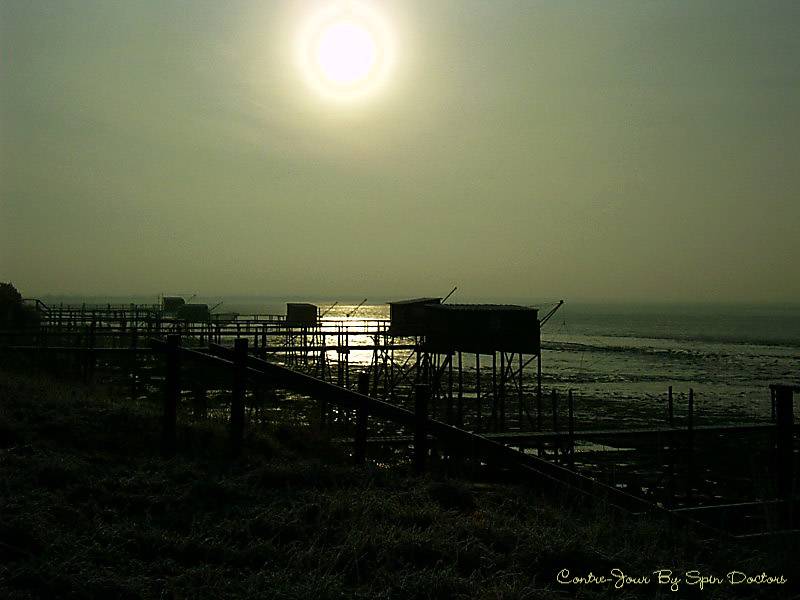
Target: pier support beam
784	442
421	397
539	391
670	408
690	447
571	430
237	395
360	449
478	406
172	392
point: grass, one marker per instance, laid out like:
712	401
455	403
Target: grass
89	510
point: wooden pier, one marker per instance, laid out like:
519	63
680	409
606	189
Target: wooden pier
483	386
414	401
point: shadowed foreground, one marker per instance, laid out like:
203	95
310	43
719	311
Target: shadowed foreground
90	510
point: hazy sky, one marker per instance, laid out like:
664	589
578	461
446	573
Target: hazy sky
534	149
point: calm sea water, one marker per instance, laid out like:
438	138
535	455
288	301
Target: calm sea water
728	354
626	353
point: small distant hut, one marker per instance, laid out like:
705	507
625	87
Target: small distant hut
301	314
482	328
408	317
172	304
194	313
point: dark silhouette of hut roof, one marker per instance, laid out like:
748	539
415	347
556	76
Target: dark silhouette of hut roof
415	301
483	307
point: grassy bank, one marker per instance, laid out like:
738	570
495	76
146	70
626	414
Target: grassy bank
89	510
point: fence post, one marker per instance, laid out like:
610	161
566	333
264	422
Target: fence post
478	407
449	407
133	365
690	446
85	354
421	396
670	408
539	391
172	392
669	500
773	414
237	395
360	451
571	430
92	359
784	425
557	437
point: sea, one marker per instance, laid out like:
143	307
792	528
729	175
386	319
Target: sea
624	354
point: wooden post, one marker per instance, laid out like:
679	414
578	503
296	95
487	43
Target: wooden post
520	398
92	362
449	409
478	406
690	445
392	376
555	422
502	391
784	425
494	391
571	430
133	365
237	396
670	487
460	417
421	396
417	361
669	501
85	354
539	391
360	450
347	358
387	379
172	394
670	408
773	414
434	380
554	398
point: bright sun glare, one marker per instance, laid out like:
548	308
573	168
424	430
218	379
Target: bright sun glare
345	51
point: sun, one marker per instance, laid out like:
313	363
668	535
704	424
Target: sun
345	51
